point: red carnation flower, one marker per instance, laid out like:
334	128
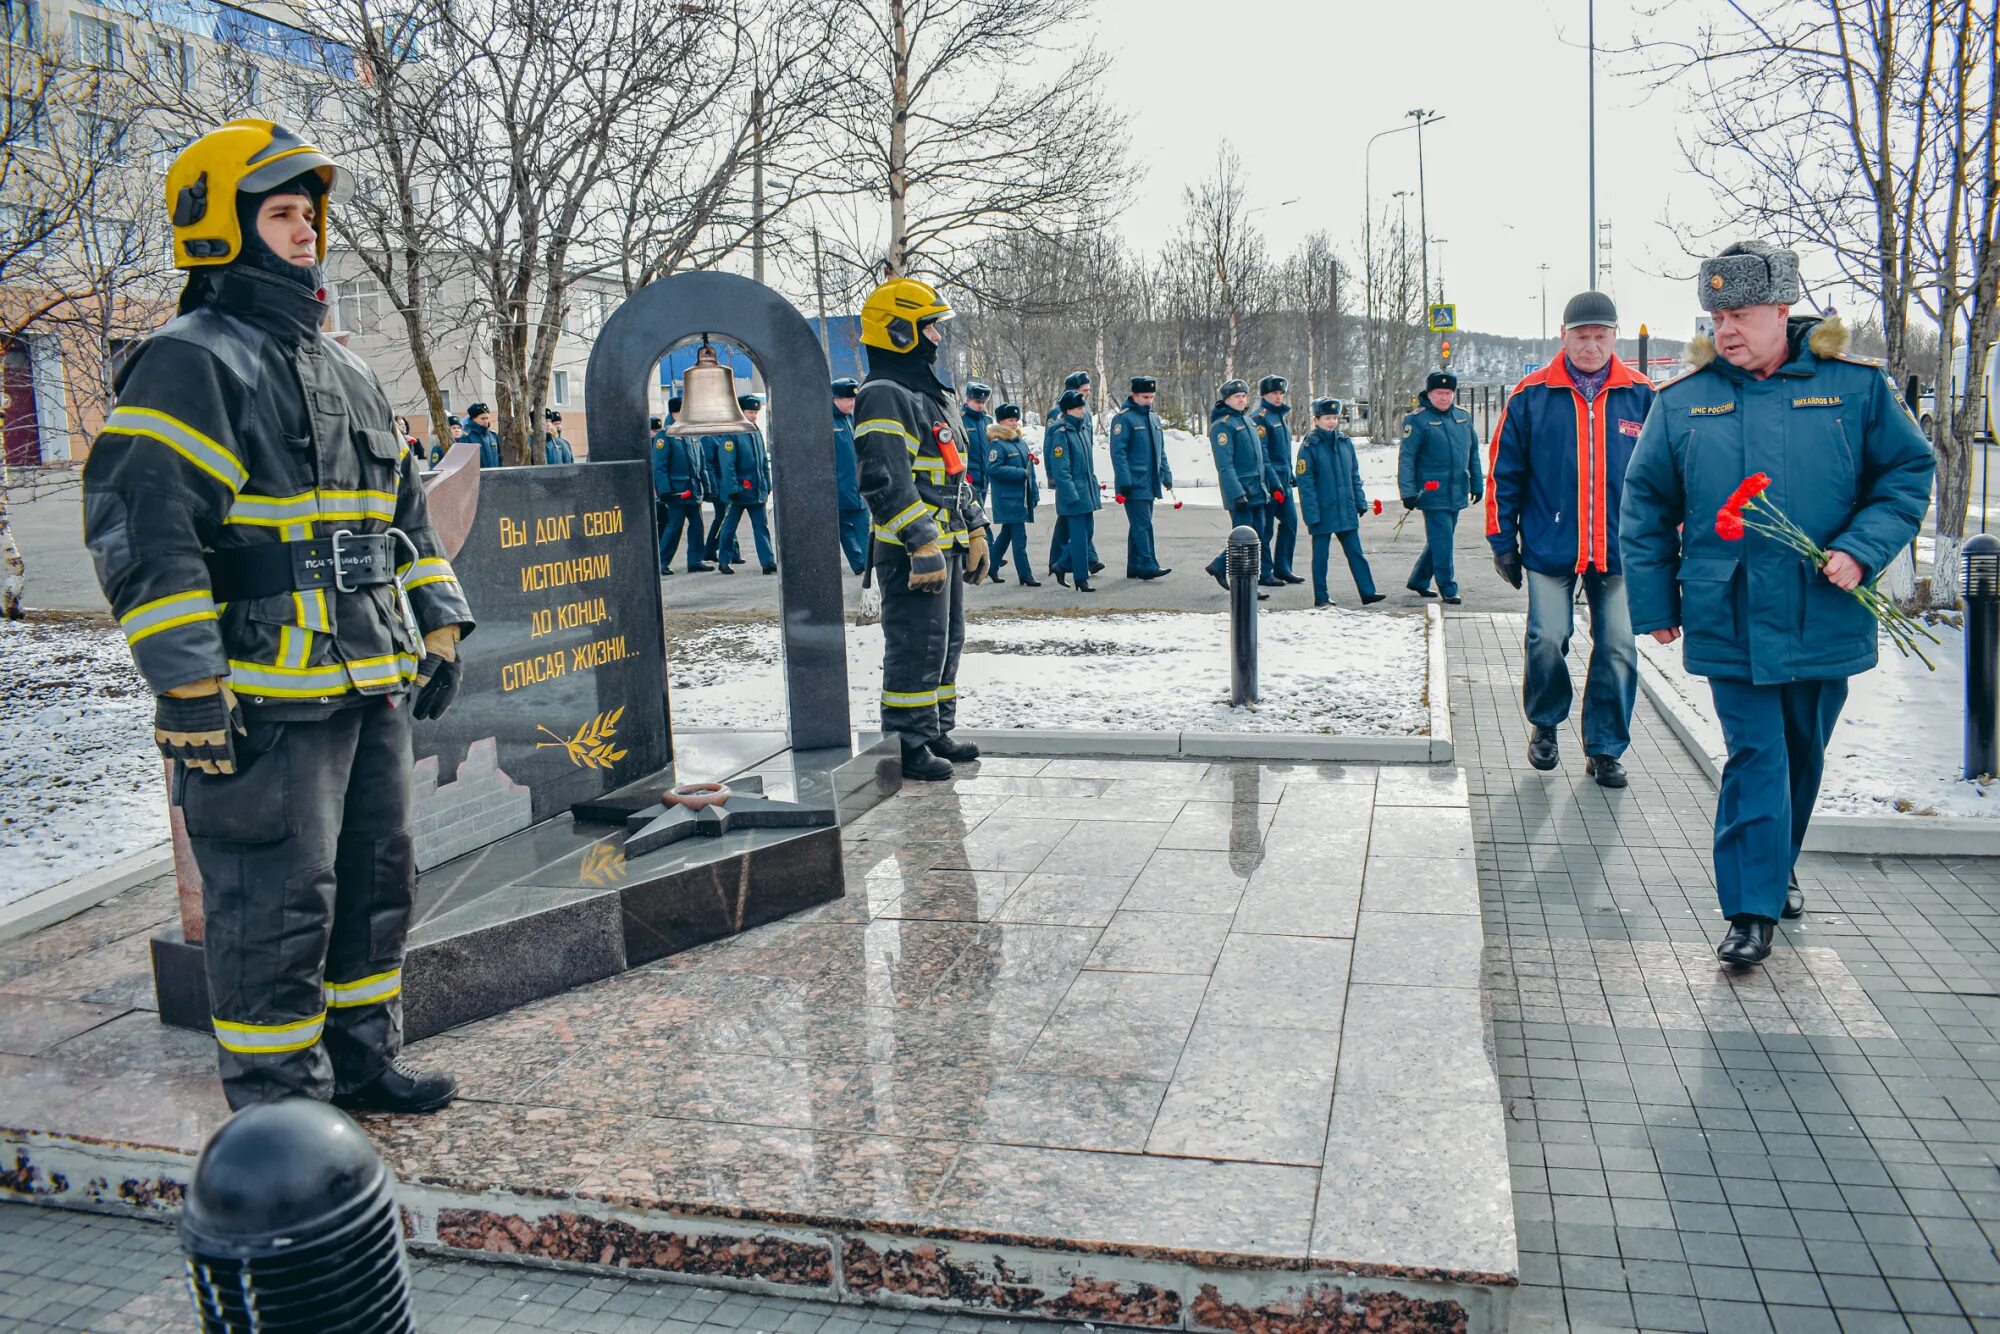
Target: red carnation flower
1729	525
1750	488
1378	507
1430	486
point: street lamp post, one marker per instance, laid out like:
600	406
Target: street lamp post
1438	241
1422	118
1545	306
1591	22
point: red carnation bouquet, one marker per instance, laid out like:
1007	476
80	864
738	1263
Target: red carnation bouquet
1405	517
1749	510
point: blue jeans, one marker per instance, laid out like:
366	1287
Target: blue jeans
1082	527
1440	527
854	538
681	515
1140	556
1613	680
1777	739
1357	563
759	529
1014	536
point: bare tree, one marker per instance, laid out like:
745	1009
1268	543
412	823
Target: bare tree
1397	334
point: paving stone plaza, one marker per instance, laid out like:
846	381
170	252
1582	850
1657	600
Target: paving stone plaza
1155	999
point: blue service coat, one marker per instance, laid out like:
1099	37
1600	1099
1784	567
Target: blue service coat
1139	467
743	459
1274	429
1329	483
972	446
711	465
555	449
1239	457
846	470
1069	449
488	441
1847	465
1559	469
1440	447
1010	474
677	467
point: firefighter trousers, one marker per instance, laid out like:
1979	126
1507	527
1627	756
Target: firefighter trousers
922	634
308	876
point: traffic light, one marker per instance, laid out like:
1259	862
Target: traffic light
1444	351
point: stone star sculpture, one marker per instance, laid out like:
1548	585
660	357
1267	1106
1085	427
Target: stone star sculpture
714	809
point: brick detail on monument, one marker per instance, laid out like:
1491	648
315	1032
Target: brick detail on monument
480	805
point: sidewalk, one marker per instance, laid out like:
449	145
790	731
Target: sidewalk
1809	1147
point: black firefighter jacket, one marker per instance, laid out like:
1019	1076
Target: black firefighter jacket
239	424
901	438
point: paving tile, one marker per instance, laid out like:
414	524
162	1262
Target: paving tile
1048	899
1179	880
1220	826
1421	885
1411	831
474	1146
1254	1094
955	896
1096	848
1161	942
1377	1055
30	1025
1279	982
1120	1025
1418	950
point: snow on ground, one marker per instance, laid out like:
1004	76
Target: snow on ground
1897	747
80	785
1352	673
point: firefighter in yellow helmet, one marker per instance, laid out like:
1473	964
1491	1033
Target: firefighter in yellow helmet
259	529
929	536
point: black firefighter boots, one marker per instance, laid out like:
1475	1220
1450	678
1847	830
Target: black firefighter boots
1795	899
401	1088
920	766
1747	942
958	752
1543	751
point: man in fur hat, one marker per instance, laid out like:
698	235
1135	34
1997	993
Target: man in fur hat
1776	636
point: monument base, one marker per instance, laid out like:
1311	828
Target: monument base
560	904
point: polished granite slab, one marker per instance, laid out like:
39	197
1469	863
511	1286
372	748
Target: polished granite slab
1153	1043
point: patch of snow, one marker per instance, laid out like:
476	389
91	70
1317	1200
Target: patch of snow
1333	671
81	786
1896	749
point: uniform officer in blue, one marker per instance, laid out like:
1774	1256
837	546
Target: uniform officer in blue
556	449
745	471
1281	518
1077	382
723	552
847	477
1332	502
1776	638
1439	473
1239	470
1010	476
479	430
677	482
1140	474
1073	469
973	422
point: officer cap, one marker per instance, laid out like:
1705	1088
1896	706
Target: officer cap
978	391
1272	384
1441	380
475	410
654	422
1587	308
846	387
749	402
1007	412
552	415
1077	380
1072	398
674	403
1145	384
1230	387
1326	407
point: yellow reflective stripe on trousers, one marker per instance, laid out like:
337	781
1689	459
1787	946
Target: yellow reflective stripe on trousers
269	1039
946	692
429	570
889	426
913	699
183	439
366	991
165	613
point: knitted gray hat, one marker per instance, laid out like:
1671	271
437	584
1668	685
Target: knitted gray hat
1749	273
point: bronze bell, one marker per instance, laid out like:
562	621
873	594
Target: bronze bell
708	399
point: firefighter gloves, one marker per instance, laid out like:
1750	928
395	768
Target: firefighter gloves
928	568
198	726
977	563
438	674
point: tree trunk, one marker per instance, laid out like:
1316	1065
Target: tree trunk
13	570
899	139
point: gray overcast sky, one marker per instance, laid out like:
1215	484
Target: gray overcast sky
1298	86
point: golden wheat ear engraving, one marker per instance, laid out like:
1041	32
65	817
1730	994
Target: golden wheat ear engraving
593	746
603	865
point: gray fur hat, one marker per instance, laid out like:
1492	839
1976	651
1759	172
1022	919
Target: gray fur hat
1749	273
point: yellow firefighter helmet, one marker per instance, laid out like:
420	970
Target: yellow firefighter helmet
246	156
893	312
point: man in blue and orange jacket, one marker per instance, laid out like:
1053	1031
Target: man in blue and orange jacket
1558	462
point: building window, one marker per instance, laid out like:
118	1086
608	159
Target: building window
21	21
242	84
104	138
114	243
167	62
100	43
27	123
356	305
168	145
23	231
559	392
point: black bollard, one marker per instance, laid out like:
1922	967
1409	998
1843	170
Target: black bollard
1244	558
291	1224
1981	588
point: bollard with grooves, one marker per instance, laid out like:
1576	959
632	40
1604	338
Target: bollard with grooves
291	1224
1244	558
1981	586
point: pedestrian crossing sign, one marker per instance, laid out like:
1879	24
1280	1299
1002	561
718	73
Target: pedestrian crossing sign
1444	318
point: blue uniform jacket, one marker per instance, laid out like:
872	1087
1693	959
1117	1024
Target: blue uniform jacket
1274	430
1329	483
1239	458
710	447
555	449
1440	447
1068	449
677	467
1139	467
846	470
1011	476
742	459
972	446
1846	464
488	441
1558	468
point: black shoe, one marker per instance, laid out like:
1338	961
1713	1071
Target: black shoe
1272	582
1747	942
1292	578
993	577
723	569
1420	592
1263	597
1159	574
1097	567
1370	599
958	752
1031	583
401	1088
1082	587
664	572
1795	899
1543	749
1220	577
1605	769
770	569
1450	601
699	569
1324	602
1062	577
920	766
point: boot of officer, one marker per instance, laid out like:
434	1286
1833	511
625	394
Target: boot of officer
260	531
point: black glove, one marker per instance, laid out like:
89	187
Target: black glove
1509	565
927	569
200	731
1409	502
438	674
